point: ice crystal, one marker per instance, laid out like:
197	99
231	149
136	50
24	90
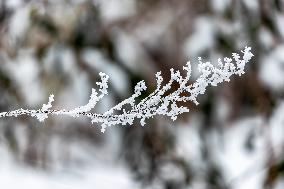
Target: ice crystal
162	101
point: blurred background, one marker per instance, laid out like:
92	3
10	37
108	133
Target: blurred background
233	140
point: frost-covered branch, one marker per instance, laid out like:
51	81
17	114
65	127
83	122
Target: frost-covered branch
162	101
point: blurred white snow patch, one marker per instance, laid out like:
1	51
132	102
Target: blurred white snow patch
25	73
109	177
106	103
6	156
279	183
19	178
130	51
77	93
150	33
112	145
220	5
118	78
242	167
171	172
22	137
81	88
105	177
252	5
19	23
13	4
276	124
113	10
266	38
77	2
99	172
279	22
189	144
60	59
249	180
202	39
223	109
83	156
272	69
64	15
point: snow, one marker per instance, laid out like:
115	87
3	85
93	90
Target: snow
202	38
279	184
236	161
107	176
219	6
271	70
114	10
266	38
252	5
87	165
188	142
279	22
130	52
13	4
19	24
241	168
276	132
25	72
96	60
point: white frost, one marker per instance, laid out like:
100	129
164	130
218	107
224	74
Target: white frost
159	102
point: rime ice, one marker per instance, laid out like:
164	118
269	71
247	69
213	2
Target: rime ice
157	103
